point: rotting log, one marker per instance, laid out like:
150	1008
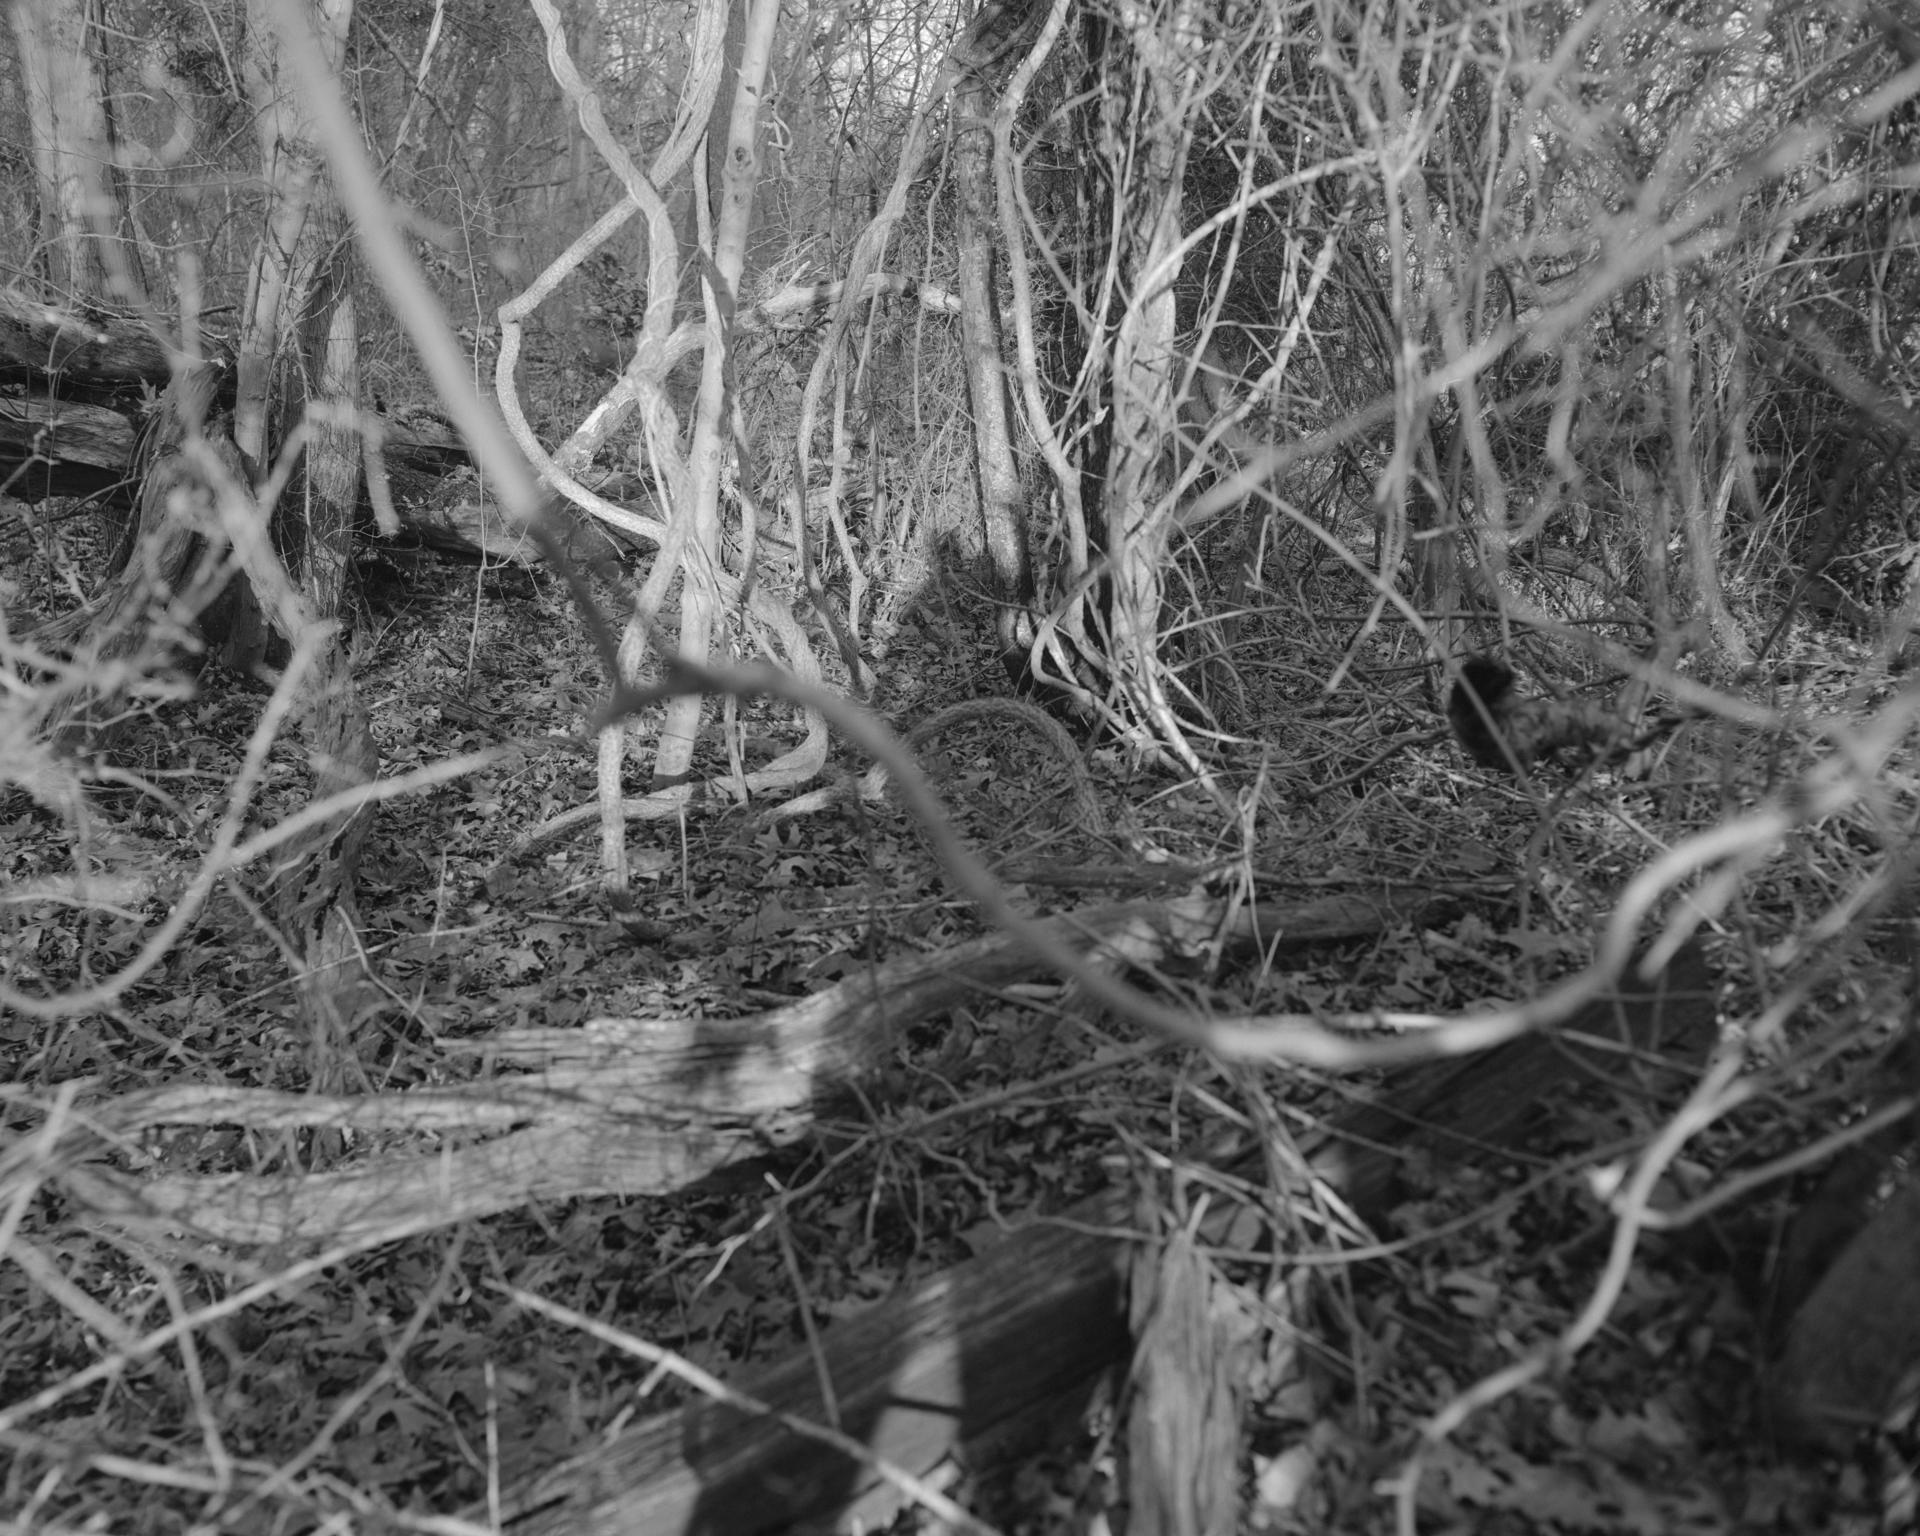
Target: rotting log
51	447
966	1363
650	1106
73	432
39	341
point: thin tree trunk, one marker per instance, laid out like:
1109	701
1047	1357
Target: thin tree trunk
1140	503
302	286
1700	523
699	609
1002	510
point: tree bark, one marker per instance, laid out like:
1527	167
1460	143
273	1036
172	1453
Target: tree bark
165	574
1156	76
1002	510
66	91
302	286
733	223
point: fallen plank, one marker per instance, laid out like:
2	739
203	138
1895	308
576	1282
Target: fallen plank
907	1386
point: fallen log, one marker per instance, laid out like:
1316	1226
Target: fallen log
51	447
40	341
645	1106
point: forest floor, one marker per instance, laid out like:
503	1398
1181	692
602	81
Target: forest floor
402	1385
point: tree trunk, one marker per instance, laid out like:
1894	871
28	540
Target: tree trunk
1155	75
161	568
302	287
1002	511
66	94
732	225
281	295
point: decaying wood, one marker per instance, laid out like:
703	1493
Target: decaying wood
1060	1280
978	1360
39	341
1192	1356
51	447
647	1106
906	1382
